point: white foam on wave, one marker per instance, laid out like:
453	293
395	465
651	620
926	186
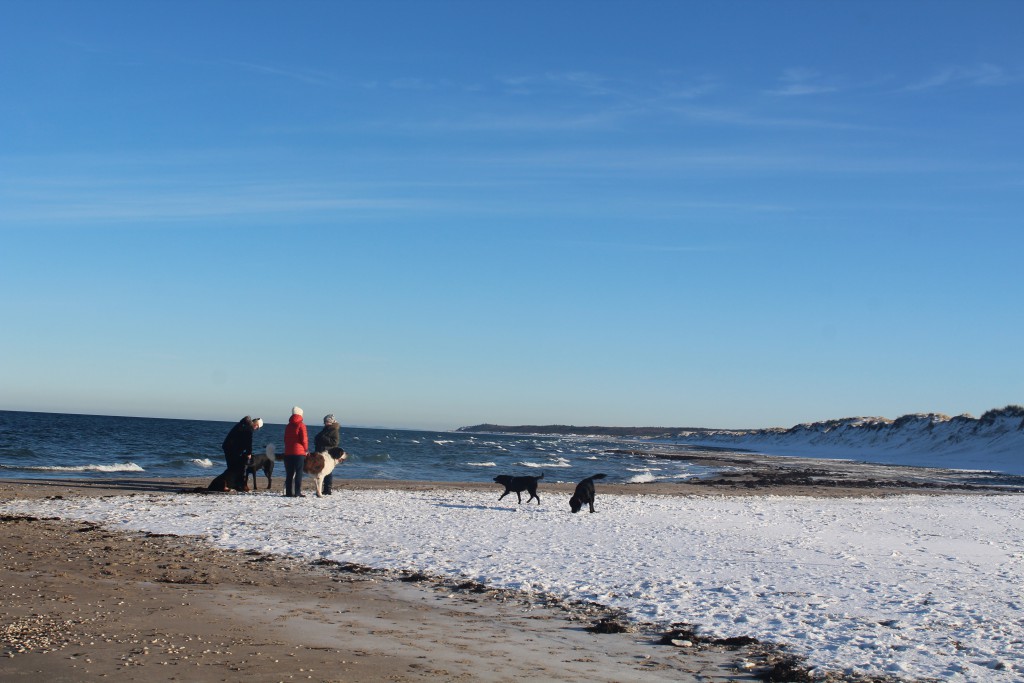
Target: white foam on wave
557	462
202	462
116	467
645	478
482	464
642	469
442	442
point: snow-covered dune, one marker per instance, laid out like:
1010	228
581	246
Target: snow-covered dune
995	441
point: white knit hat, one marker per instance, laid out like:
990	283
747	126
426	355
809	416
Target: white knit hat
258	422
296	411
329	419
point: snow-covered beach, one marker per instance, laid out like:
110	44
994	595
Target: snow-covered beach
913	587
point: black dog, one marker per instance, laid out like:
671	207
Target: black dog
584	494
518	485
260	461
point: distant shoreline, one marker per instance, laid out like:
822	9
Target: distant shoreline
1009	411
572	430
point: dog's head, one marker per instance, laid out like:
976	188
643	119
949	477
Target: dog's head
503	479
575	503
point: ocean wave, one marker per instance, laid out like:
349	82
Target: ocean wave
482	464
116	467
645	478
557	462
179	463
442	442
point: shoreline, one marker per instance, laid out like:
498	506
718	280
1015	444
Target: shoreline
85	602
739	473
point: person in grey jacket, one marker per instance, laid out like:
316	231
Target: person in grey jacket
326	441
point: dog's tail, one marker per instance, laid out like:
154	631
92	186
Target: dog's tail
599	476
541	476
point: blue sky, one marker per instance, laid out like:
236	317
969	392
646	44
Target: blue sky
433	214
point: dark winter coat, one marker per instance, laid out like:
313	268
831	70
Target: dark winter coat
238	442
327	438
296	441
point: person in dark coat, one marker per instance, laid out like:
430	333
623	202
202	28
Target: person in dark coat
237	448
326	441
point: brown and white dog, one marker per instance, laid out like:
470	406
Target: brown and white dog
321	464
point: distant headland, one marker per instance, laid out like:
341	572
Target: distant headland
1012	412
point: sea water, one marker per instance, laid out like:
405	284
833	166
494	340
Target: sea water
55	445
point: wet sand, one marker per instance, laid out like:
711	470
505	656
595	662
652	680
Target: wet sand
83	603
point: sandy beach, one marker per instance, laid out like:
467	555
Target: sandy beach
82	602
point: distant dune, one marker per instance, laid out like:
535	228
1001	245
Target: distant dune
994	441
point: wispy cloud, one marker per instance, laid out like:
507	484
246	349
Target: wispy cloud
88	201
639	162
620	247
525	122
800	82
686	92
307	76
981	75
735	116
589	84
576	81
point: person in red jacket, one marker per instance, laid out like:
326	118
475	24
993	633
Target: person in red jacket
296	445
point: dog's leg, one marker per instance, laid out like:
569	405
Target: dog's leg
504	494
519	497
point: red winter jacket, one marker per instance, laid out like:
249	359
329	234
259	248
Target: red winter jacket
296	442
